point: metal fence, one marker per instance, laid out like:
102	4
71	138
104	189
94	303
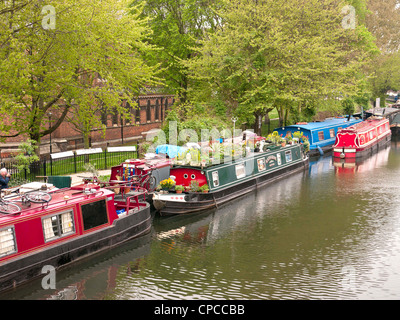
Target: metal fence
70	162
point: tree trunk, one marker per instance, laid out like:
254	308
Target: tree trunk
281	116
36	137
267	121
258	123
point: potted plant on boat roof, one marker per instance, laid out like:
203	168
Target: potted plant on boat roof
306	144
289	138
167	184
194	186
204	188
297	136
179	188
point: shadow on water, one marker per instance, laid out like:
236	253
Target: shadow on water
329	233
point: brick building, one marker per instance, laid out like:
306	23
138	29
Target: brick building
149	116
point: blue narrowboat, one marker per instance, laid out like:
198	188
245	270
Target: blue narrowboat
321	134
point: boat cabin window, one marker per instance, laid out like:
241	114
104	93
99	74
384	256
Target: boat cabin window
261	164
332	133
321	135
215	178
240	171
58	225
94	214
288	156
7	241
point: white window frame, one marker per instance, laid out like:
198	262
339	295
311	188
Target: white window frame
59	219
288	156
261	164
240	171
215	178
7	240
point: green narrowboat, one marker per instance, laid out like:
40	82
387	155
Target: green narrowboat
228	180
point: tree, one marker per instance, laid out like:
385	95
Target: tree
89	52
178	26
383	21
274	53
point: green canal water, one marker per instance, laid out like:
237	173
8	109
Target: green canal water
332	232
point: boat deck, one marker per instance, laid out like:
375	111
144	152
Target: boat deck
364	126
59	197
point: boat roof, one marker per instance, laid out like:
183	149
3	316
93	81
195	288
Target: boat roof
364	125
382	111
60	198
320	124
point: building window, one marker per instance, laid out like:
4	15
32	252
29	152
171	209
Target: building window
240	171
104	117
7	242
115	118
332	133
288	156
148	111
58	225
321	135
137	115
157	111
215	178
94	214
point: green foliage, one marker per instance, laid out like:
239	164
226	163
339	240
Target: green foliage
348	106
91	168
26	155
270	52
92	59
177	27
194	118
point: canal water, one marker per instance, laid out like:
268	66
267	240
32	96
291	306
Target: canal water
332	232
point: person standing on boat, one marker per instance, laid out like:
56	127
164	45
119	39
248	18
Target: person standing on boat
4	178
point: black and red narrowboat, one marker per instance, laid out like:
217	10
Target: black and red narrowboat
57	227
146	173
362	139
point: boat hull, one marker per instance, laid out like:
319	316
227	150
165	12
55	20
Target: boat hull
197	202
358	153
28	267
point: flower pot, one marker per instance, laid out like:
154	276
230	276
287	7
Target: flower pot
178	191
205	191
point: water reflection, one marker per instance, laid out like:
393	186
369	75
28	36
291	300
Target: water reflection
329	233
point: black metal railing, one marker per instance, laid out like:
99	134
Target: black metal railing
66	164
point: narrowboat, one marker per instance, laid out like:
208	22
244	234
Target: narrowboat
395	125
57	227
362	139
321	135
227	180
146	173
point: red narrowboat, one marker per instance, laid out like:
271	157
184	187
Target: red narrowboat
146	173
362	139
59	226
